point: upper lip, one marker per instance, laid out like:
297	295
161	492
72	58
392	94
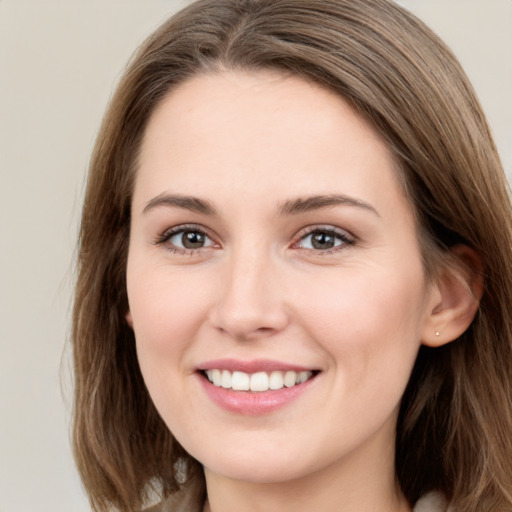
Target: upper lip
253	366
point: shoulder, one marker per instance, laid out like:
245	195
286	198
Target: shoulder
432	502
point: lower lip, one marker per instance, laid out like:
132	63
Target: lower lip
253	403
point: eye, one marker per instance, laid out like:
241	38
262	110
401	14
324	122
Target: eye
186	239
325	239
190	239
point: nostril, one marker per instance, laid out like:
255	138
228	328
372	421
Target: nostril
265	330
245	330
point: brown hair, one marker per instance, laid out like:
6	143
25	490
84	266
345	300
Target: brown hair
454	431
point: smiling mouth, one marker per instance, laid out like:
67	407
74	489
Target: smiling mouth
259	381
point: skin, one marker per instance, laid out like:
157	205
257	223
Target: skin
249	143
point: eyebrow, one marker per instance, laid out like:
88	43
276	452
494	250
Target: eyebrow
193	204
307	204
291	207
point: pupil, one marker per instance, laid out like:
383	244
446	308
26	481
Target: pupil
322	241
192	239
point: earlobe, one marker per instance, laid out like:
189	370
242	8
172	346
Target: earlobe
455	299
128	318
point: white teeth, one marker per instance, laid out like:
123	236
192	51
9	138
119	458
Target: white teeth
240	381
260	381
290	378
303	377
216	377
276	380
225	380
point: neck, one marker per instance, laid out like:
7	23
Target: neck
358	483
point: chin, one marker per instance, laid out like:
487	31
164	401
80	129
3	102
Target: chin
261	462
267	471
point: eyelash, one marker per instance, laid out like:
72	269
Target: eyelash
340	235
168	234
346	239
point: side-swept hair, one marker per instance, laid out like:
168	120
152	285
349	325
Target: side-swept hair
454	431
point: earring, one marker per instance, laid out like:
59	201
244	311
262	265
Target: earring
437	333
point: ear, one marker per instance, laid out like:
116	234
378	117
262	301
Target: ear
455	298
129	319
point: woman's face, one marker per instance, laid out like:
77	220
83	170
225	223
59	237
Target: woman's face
272	250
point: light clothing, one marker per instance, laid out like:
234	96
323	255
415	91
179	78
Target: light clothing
180	502
432	502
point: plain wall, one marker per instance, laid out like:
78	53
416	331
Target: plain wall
59	62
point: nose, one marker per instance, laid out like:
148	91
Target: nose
250	301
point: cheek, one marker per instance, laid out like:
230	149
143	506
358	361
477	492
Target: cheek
166	307
167	310
369	322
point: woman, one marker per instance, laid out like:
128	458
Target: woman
294	273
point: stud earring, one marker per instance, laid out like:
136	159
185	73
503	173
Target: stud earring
437	333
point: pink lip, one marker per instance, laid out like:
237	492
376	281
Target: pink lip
256	365
252	403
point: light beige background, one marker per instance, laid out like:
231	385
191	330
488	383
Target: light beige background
59	61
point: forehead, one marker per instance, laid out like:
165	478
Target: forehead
260	132
229	103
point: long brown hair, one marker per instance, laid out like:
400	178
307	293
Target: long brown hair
454	432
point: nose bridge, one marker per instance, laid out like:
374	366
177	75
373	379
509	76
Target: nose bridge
250	301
